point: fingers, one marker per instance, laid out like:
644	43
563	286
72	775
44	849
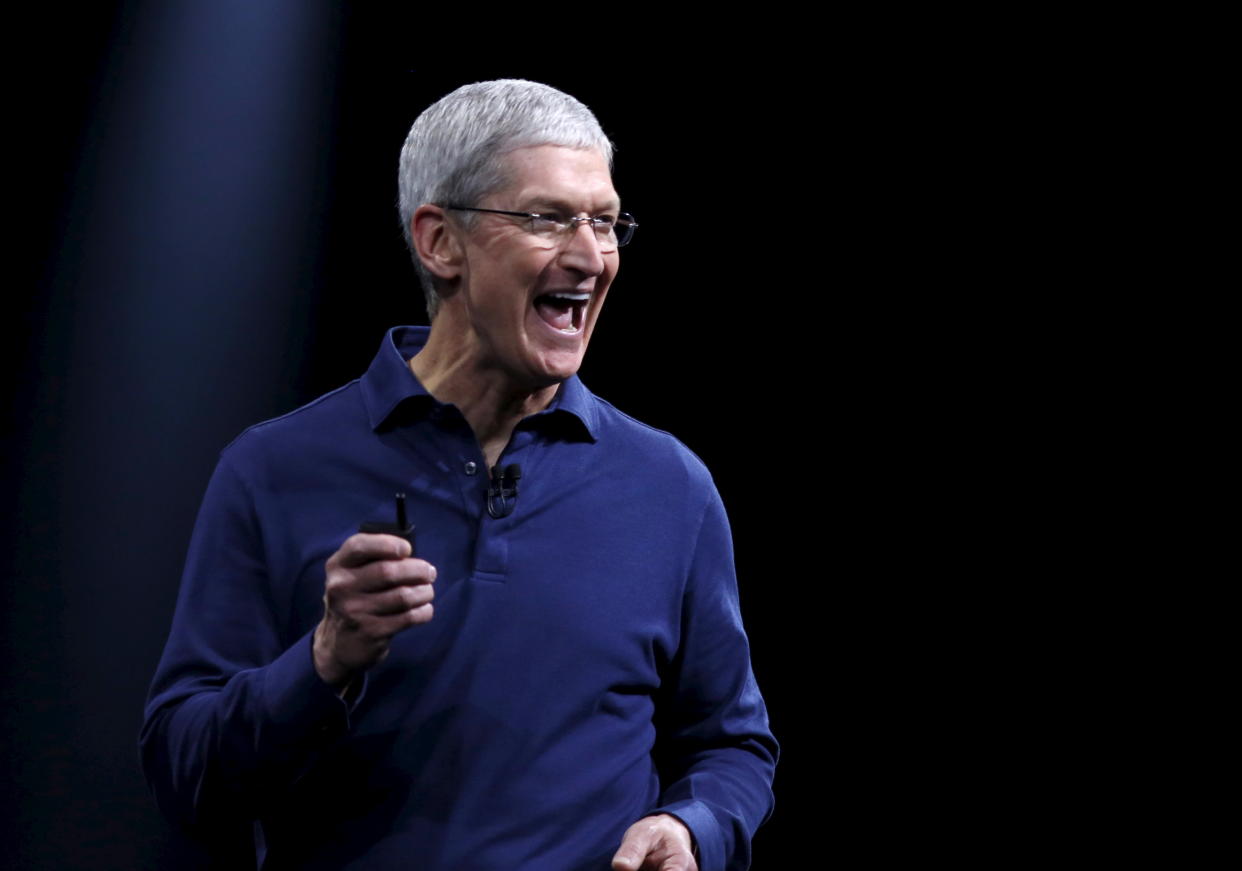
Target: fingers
373	590
658	843
362	548
374	632
630	855
380	589
382	574
400	599
370	563
352	637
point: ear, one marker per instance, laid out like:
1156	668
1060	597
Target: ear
436	242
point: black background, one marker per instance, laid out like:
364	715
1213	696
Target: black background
754	318
884	266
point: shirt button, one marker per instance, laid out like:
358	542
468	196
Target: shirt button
471	468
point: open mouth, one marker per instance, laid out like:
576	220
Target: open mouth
563	311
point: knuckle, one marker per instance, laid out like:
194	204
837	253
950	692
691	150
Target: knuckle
389	547
352	615
332	598
390	571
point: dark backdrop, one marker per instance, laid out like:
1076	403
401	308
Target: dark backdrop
209	239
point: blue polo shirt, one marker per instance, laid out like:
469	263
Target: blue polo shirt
586	665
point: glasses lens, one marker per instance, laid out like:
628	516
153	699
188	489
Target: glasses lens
546	226
604	233
624	228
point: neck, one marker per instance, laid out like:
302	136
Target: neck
488	397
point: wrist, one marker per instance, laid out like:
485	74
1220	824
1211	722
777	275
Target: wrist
330	669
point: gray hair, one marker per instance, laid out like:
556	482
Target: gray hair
454	152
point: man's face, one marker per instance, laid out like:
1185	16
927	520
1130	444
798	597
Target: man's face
530	303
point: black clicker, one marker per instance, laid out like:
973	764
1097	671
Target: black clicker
402	528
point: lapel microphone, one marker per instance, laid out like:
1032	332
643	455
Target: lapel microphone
503	490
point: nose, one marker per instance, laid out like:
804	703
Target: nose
581	252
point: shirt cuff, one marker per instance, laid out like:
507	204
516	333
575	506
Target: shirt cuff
708	843
298	700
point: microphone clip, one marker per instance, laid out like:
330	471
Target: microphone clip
503	490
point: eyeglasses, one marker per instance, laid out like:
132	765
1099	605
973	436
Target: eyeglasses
611	232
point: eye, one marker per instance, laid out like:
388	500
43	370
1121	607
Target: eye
546	225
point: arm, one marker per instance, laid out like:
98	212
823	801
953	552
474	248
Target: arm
244	701
714	750
236	709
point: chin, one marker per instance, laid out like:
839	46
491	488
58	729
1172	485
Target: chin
563	372
557	367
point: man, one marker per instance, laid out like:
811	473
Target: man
557	678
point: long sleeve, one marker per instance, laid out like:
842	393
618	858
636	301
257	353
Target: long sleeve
236	711
591	639
715	752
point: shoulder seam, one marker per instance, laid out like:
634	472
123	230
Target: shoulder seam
301	408
654	429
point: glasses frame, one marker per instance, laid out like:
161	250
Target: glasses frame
623	227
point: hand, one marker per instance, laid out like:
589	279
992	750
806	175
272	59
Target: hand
658	843
373	591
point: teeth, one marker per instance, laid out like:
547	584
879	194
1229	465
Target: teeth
572	297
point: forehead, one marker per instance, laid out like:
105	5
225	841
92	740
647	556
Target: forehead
552	175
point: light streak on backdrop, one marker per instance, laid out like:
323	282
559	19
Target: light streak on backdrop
178	301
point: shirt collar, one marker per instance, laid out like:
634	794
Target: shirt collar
389	383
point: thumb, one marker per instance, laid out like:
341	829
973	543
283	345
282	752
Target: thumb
632	852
